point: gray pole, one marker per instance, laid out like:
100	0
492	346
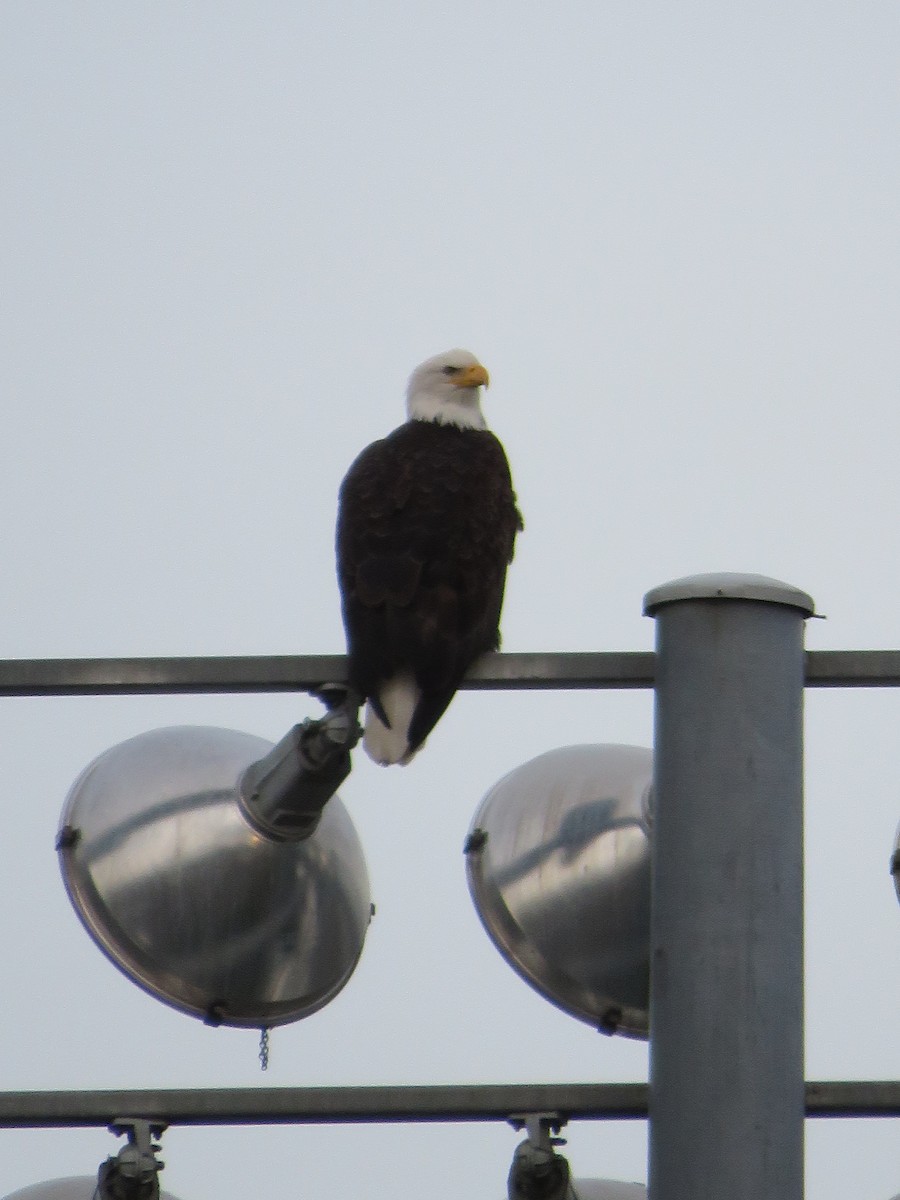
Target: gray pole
726	994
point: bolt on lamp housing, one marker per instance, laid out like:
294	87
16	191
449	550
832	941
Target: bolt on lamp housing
558	865
192	899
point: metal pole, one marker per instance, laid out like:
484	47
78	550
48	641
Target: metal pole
570	670
726	996
422	1104
303	673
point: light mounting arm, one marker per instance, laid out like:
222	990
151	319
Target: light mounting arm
537	1171
134	1172
283	793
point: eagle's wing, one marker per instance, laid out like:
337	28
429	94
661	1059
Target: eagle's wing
426	527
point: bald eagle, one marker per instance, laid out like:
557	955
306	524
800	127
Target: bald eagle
427	519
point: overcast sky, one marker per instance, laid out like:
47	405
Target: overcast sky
229	233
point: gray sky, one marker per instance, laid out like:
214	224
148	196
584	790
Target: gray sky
229	233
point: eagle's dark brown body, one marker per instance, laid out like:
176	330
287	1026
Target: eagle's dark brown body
427	520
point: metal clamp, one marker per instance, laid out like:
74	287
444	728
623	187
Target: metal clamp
134	1172
537	1171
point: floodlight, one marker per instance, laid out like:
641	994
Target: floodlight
240	918
75	1187
558	864
608	1189
132	1174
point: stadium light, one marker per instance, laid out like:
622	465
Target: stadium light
132	1174
74	1187
608	1189
242	919
558	865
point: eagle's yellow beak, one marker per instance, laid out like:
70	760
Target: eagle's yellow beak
470	377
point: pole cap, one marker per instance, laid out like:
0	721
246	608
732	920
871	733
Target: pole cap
728	585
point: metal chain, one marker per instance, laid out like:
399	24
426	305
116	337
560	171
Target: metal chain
264	1048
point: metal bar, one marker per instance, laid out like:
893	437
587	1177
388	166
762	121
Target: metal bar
303	673
726	928
613	670
853	668
300	673
339	1105
870	1098
155	676
430	1104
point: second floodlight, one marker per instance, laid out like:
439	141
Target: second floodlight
80	1187
558	863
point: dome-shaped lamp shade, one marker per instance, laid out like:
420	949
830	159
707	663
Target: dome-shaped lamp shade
609	1189
81	1187
195	904
558	864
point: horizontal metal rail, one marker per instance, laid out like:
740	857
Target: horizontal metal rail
300	673
381	1105
853	668
304	673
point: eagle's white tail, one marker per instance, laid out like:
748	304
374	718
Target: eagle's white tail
399	697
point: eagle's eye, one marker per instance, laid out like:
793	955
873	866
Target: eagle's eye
450	370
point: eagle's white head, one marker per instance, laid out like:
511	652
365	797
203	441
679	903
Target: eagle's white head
447	389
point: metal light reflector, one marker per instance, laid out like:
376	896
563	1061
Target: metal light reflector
609	1189
558	864
603	1189
193	902
81	1187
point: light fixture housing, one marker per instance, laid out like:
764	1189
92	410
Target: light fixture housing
192	900
558	866
75	1187
608	1189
